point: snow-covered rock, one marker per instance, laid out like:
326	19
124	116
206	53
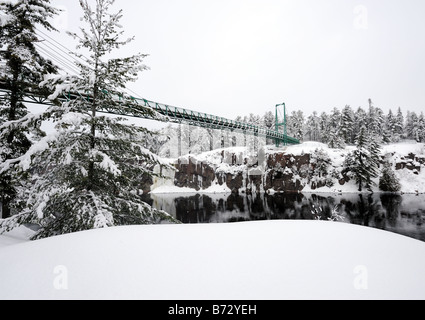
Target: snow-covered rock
288	169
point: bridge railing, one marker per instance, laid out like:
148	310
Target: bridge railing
177	114
173	114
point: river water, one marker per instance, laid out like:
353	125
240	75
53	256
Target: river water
402	214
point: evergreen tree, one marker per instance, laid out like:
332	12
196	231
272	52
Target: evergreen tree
269	123
347	125
324	126
421	128
360	119
313	127
335	120
390	132
22	68
296	125
335	139
319	166
388	181
84	176
201	140
412	126
399	124
363	163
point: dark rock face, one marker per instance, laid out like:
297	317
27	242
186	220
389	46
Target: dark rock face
194	175
282	173
282	182
233	181
279	172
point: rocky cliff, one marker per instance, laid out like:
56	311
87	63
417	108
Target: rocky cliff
307	167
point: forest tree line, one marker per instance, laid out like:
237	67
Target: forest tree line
337	128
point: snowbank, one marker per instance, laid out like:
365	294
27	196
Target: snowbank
256	260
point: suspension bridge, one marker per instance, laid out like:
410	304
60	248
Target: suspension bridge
172	114
61	55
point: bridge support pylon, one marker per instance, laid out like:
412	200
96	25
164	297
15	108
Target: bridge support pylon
281	124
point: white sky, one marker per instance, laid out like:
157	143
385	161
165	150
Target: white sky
234	57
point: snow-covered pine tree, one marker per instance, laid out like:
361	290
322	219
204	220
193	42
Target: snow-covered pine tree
296	125
412	126
22	68
85	175
388	181
347	125
335	139
319	166
313	127
269	123
201	140
324	126
363	163
399	123
360	119
389	129
421	128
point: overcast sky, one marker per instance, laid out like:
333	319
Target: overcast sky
235	57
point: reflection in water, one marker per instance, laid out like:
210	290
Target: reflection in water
400	214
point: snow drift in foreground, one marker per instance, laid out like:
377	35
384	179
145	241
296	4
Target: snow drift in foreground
256	260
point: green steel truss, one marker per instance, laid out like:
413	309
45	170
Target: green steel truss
136	107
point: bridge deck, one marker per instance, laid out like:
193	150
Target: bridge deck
176	115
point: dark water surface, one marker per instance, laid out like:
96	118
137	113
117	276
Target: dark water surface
402	214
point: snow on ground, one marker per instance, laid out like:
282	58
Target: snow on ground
171	189
255	260
16	236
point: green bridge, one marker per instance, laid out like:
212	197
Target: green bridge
176	115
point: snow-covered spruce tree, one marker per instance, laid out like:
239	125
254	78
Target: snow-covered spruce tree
388	181
84	175
324	127
268	121
421	131
363	163
319	168
296	125
347	125
313	127
335	139
22	68
399	124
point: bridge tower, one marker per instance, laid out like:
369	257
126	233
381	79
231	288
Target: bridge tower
281	124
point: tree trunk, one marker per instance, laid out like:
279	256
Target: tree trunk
91	176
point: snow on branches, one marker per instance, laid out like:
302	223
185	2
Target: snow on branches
86	174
